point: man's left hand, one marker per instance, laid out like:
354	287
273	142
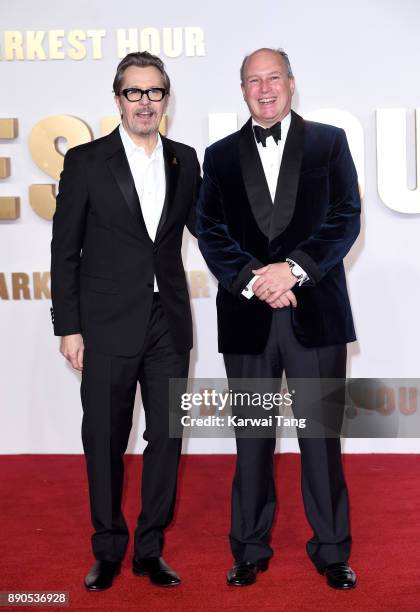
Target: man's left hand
274	280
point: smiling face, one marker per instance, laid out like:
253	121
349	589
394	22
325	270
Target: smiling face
267	88
141	119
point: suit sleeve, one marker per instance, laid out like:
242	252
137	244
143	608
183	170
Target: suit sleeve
331	242
192	215
66	245
230	264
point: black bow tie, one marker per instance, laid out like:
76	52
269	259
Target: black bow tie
261	134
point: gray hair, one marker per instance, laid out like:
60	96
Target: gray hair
141	59
280	52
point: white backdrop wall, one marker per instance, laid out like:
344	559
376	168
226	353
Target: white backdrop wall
354	57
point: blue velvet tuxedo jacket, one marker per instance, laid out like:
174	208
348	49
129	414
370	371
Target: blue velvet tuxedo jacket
314	221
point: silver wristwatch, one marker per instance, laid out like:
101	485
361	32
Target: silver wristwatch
297	272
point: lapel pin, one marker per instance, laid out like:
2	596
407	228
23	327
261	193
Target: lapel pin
174	161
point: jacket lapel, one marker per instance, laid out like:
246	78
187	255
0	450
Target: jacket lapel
254	178
171	177
288	180
118	164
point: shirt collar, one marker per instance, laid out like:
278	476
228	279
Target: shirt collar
285	124
131	147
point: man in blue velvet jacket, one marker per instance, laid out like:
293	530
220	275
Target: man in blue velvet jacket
279	209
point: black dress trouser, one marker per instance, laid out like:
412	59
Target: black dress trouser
108	391
323	485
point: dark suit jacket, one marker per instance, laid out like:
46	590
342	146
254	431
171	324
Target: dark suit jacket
103	260
315	220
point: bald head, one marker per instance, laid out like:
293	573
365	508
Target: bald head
267	86
279	52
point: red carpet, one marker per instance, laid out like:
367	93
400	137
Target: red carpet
45	537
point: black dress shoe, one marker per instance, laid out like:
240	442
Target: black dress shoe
159	573
339	576
101	575
245	573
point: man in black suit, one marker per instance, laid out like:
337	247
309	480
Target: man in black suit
279	208
121	305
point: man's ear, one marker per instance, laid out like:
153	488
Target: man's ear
292	84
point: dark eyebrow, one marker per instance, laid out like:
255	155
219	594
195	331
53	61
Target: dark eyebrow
140	88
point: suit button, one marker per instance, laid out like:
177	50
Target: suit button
155	250
150	284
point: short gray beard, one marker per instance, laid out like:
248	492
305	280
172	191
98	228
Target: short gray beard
148	132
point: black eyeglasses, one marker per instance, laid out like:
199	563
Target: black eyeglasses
133	94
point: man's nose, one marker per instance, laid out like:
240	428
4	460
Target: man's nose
265	85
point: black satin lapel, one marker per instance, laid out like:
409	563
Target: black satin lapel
171	178
254	179
119	167
288	181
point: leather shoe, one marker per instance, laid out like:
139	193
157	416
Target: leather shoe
245	573
101	575
339	576
159	573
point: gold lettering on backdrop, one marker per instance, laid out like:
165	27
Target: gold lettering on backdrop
127	42
42	199
9	208
13	46
4	167
52	44
172	42
96	36
150	40
9	205
9	129
76	39
43	147
36	285
55	44
199	283
20	286
20	282
77	44
34	42
194	42
407	400
41	282
391	143
391	154
4	294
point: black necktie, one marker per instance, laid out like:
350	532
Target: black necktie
261	134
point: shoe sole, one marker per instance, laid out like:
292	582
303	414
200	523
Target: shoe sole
238	584
342	588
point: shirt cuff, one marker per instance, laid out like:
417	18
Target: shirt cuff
247	292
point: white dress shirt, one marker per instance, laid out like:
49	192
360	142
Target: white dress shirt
271	156
149	179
